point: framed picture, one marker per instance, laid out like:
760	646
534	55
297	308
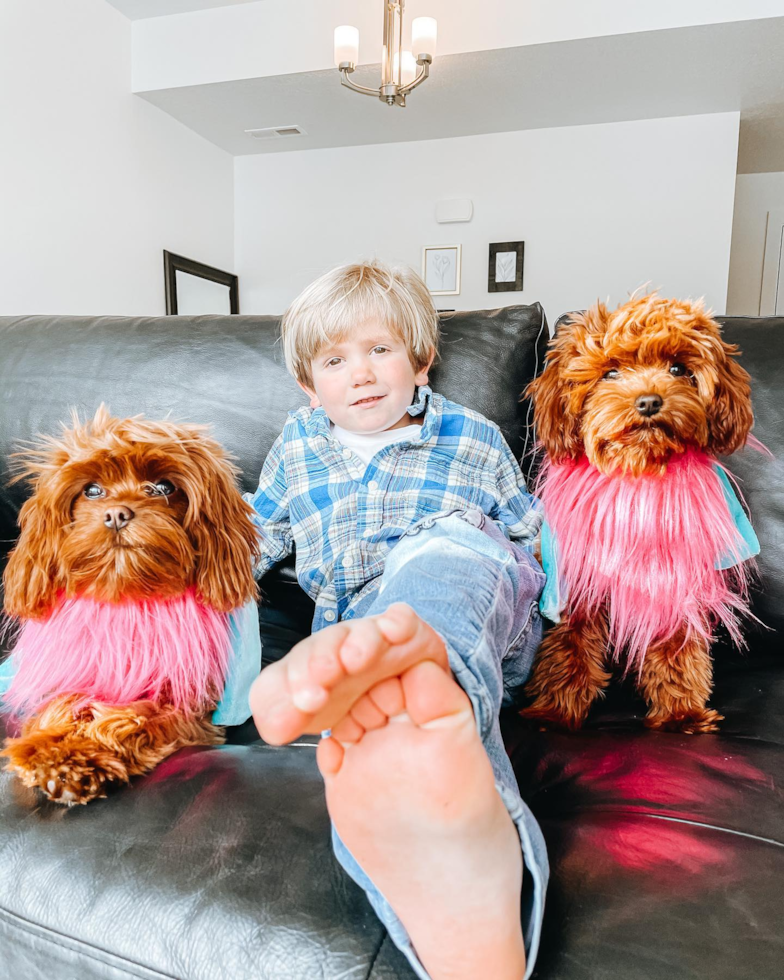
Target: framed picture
441	269
195	288
505	267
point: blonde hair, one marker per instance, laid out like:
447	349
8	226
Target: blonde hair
329	308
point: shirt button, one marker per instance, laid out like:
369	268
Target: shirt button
348	561
347	453
329	615
373	485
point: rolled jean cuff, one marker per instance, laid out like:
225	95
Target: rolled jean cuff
535	875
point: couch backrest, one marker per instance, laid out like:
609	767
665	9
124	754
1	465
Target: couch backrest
227	371
761	477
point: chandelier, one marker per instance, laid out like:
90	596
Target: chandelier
401	71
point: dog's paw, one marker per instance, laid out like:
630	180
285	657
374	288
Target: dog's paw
700	721
548	717
66	770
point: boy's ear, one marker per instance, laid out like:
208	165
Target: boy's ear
421	375
314	399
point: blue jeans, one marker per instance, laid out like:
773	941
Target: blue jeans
479	592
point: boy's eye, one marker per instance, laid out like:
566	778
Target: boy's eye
380	348
332	361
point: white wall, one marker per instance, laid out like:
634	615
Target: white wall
755	195
95	182
601	209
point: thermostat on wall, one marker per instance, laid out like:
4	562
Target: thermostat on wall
449	211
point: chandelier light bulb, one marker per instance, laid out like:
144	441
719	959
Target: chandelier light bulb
409	67
346	45
424	32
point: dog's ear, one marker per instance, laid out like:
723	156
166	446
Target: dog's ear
219	523
557	419
729	412
31	578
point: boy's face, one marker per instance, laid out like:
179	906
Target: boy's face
366	382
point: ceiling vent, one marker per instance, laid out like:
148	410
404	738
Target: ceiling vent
275	132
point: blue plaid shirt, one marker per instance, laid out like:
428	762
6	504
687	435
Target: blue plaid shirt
344	517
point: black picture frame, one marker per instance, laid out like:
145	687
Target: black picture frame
505	287
173	263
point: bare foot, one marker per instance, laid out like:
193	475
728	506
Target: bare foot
316	683
412	795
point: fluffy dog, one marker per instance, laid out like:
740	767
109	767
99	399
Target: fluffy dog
645	539
135	546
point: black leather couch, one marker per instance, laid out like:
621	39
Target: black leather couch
667	851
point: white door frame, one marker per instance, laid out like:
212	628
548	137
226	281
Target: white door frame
772	292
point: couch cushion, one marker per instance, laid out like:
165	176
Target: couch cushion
666	850
218	865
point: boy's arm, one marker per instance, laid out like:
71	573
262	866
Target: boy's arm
270	505
516	508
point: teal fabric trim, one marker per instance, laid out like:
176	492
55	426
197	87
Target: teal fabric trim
244	667
747	544
7	671
551	603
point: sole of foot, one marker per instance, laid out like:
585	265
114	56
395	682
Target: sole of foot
412	795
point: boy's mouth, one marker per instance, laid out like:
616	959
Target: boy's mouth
368	401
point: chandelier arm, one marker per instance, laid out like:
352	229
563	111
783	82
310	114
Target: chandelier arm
425	73
345	80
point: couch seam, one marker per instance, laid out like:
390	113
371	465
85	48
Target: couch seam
626	811
384	936
49	935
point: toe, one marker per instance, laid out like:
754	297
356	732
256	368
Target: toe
432	698
280	725
329	757
322	667
368	714
399	623
325	669
364	646
309	698
388	697
277	720
314	666
348	731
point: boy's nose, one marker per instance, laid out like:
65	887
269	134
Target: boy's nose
361	374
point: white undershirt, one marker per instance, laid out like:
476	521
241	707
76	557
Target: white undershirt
367	444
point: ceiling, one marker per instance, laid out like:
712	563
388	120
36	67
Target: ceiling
686	71
141	9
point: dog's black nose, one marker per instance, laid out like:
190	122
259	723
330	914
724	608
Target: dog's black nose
117	517
648	404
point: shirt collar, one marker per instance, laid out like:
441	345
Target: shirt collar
318	423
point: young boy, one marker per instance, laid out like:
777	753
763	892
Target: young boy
413	532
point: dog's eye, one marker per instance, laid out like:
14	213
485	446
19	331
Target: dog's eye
162	488
93	491
678	370
612	373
